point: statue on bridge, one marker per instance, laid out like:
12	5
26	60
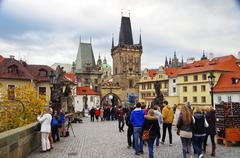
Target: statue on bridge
158	100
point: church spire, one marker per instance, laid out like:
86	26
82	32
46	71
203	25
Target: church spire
204	56
182	62
166	63
125	34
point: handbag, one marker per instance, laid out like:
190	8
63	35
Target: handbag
145	135
185	134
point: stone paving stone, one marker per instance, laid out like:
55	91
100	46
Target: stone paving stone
102	140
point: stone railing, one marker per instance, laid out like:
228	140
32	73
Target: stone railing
22	141
19	142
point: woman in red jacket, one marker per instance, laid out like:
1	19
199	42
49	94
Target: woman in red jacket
97	113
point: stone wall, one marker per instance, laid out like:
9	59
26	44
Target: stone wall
19	142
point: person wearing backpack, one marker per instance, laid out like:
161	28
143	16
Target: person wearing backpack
151	127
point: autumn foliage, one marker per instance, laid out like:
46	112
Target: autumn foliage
22	110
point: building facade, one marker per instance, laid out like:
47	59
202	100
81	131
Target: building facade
126	58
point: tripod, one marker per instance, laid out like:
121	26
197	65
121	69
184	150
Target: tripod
70	125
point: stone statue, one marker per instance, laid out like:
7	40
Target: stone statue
158	100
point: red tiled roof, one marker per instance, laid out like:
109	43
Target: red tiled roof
35	70
224	63
86	90
24	71
152	72
71	77
172	72
225	83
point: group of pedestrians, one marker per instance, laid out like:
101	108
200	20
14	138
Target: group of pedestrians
105	113
194	129
52	127
142	122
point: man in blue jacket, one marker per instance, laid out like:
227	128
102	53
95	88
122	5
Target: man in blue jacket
137	120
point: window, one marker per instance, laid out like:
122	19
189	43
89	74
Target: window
115	71
96	88
95	81
174	89
86	81
143	95
153	94
219	99
185	78
143	86
13	69
229	99
203	99
194	99
185	89
165	85
91	99
42	90
11	92
203	88
204	76
194	88
184	99
130	83
43	73
149	86
160	76
195	77
174	80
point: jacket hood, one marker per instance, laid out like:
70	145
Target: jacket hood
148	117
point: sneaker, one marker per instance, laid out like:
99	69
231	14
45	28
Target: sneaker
162	142
137	153
201	156
170	144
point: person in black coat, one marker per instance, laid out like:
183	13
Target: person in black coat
130	128
211	130
92	114
151	124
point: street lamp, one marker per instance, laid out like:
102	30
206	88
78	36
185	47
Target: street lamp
211	79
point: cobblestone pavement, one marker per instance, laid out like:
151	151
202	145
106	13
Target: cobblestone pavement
102	140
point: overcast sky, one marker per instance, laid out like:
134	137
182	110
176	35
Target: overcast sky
48	31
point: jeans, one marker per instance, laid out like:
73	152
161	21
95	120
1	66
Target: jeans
197	144
158	137
169	127
138	139
129	137
92	118
120	124
150	147
212	136
186	146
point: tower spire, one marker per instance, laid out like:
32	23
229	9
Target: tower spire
140	38
125	34
166	63
112	42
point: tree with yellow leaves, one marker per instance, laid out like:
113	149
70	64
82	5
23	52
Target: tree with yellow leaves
22	110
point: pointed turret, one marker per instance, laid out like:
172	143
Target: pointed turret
182	63
104	60
170	62
125	34
140	39
112	42
166	63
175	56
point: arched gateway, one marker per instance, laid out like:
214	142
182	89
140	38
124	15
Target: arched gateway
111	95
110	99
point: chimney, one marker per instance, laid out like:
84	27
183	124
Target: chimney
12	56
190	60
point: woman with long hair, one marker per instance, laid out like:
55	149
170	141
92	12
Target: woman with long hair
184	126
151	125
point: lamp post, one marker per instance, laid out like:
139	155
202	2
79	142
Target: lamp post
211	79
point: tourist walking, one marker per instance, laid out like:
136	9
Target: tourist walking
137	120
158	115
211	130
151	124
120	117
199	131
62	117
55	125
101	114
130	129
92	114
45	121
184	130
97	113
168	116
